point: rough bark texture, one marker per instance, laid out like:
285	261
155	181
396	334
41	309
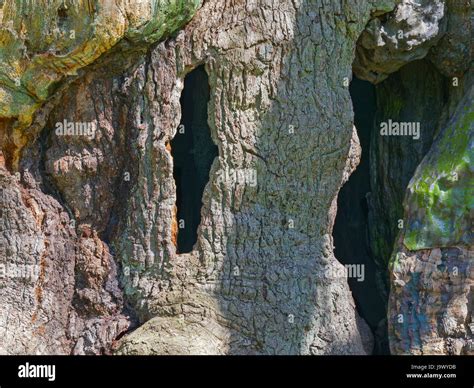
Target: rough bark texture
256	281
59	291
406	34
431	301
45	41
96	215
431	278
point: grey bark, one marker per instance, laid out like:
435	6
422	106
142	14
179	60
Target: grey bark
262	278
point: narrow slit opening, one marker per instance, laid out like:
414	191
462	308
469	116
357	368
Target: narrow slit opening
351	234
370	204
193	152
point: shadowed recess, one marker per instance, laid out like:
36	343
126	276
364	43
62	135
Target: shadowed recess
193	152
350	233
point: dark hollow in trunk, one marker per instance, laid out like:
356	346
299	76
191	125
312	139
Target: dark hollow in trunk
351	238
193	152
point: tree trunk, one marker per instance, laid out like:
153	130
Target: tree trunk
91	195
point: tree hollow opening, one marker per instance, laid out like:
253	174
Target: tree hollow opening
351	234
396	122
193	152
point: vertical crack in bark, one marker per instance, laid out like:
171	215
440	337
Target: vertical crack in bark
351	239
370	204
193	152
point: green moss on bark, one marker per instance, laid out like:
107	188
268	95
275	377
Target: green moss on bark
440	202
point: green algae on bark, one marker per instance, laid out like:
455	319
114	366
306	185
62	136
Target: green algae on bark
44	41
440	202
